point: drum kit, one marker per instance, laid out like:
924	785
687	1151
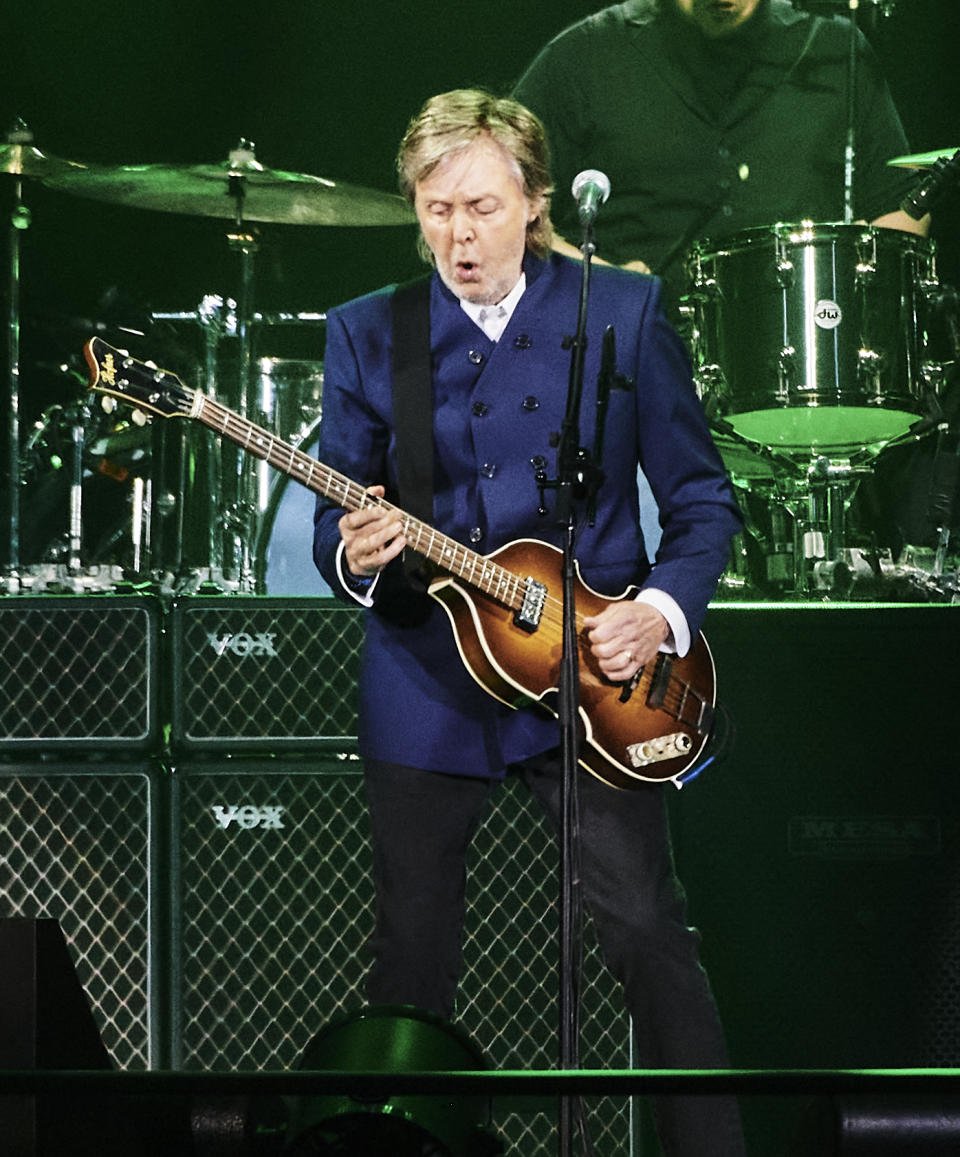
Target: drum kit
189	514
821	351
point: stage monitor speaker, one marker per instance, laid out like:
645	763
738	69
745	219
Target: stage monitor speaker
77	847
822	859
45	1023
45	1019
78	673
274	899
264	674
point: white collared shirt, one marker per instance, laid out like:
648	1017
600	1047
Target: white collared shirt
493	319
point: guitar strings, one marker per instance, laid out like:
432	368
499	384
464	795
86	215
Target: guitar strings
494	579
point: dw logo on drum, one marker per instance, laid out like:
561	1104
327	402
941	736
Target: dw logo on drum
827	314
243	643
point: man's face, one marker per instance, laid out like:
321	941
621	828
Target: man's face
718	17
474	215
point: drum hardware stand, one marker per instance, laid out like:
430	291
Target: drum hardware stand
65	572
241	515
820	539
885	7
19	221
236	528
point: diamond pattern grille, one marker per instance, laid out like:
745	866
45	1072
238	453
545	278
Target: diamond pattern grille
249	669
77	674
275	920
75	846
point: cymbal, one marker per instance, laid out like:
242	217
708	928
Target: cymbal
25	161
211	191
923	160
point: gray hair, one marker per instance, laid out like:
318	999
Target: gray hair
451	122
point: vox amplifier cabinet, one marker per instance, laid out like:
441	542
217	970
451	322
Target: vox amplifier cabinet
264	674
78	673
78	846
274	898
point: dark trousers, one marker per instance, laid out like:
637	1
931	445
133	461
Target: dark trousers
422	826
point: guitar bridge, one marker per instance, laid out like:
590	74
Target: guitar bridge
528	616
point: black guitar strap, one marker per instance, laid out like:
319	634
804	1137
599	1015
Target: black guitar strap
413	407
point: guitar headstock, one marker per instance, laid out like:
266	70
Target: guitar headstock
116	374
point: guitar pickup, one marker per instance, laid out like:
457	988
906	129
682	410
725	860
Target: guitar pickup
656	750
528	616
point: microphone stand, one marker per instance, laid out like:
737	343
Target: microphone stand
240	519
885	7
578	479
18	221
850	147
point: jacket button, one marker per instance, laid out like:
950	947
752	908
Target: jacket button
475	356
522	341
480	410
530	403
488	469
476	534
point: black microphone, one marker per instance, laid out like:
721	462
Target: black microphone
934	186
590	189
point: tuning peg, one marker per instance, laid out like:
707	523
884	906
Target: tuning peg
139	418
108	403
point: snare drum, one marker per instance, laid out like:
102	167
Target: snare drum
812	336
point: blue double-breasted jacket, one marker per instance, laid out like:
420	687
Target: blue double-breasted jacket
496	407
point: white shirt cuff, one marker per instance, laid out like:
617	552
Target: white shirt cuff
364	597
679	638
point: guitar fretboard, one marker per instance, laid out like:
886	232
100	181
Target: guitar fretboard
446	553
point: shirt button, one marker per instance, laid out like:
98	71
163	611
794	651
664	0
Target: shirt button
530	403
723	152
727	210
522	341
475	356
480	410
476	534
488	469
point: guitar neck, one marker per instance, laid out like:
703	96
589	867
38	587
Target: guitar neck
445	552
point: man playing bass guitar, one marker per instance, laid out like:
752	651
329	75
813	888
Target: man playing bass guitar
436	743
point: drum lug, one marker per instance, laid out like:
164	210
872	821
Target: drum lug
786	272
786	371
710	384
866	257
870	370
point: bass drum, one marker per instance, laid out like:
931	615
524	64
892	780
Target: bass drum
811	336
285	554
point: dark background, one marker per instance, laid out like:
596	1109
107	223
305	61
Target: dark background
327	89
320	88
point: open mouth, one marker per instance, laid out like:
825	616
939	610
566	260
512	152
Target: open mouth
721	9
